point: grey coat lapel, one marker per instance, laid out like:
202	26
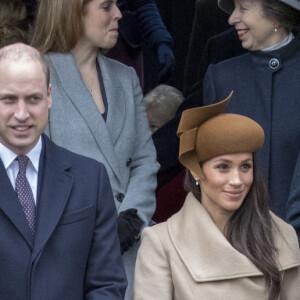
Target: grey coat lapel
12	208
54	188
115	98
80	97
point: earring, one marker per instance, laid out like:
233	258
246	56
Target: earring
197	181
275	27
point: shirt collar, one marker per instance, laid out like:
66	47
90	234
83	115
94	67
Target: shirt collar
7	156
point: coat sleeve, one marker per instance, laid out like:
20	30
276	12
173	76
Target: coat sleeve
140	192
151	26
105	274
293	203
153	279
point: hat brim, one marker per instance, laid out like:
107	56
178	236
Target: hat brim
226	5
293	3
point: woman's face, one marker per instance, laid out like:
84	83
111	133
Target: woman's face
227	181
100	23
255	30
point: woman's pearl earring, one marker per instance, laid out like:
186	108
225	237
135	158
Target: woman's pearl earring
275	27
197	181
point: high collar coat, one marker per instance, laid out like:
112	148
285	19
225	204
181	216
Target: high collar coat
266	89
123	143
188	258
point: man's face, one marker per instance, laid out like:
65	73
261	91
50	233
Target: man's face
24	103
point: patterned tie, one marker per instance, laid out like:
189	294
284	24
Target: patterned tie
24	192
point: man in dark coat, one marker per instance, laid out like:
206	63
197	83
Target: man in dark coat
57	214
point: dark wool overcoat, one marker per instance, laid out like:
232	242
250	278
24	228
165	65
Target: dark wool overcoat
266	88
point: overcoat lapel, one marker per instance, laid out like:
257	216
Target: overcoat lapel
202	239
80	97
11	206
55	184
116	100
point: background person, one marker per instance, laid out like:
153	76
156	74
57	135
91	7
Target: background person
98	110
161	105
224	243
13	24
56	207
265	84
141	24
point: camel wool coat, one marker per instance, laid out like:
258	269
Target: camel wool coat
187	257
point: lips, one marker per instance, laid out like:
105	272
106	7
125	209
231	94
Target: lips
242	32
234	194
21	129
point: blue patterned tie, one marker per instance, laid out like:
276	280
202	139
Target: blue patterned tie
24	192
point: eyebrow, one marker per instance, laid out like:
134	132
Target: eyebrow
230	161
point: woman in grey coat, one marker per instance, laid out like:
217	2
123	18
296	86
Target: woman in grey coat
98	110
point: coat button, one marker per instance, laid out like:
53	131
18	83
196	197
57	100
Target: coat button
274	63
128	162
120	197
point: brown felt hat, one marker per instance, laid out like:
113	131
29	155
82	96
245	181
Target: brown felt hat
206	133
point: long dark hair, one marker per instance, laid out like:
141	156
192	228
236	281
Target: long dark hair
249	230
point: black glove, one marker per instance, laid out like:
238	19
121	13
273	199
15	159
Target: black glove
166	61
129	225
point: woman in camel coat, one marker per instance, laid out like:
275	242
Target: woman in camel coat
224	243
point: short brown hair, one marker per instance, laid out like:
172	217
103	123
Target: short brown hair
21	51
58	25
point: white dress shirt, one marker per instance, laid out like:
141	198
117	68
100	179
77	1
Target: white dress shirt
11	165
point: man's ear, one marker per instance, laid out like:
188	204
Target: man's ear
49	96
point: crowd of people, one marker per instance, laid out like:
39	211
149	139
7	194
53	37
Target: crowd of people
89	162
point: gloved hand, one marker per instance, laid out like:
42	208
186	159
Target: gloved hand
166	61
129	225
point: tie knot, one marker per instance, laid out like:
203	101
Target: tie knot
23	161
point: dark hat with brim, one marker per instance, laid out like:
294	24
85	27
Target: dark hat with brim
206	133
228	5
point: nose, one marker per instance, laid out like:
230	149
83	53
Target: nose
234	17
118	14
21	112
235	178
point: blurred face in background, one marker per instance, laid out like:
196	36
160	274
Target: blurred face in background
255	30
100	23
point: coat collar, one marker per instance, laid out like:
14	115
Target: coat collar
202	240
105	133
53	190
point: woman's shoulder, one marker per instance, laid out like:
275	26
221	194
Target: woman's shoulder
286	242
283	226
232	63
114	64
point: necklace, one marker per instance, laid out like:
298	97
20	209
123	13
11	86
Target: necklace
91	86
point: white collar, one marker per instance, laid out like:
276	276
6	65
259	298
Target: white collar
8	156
281	44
